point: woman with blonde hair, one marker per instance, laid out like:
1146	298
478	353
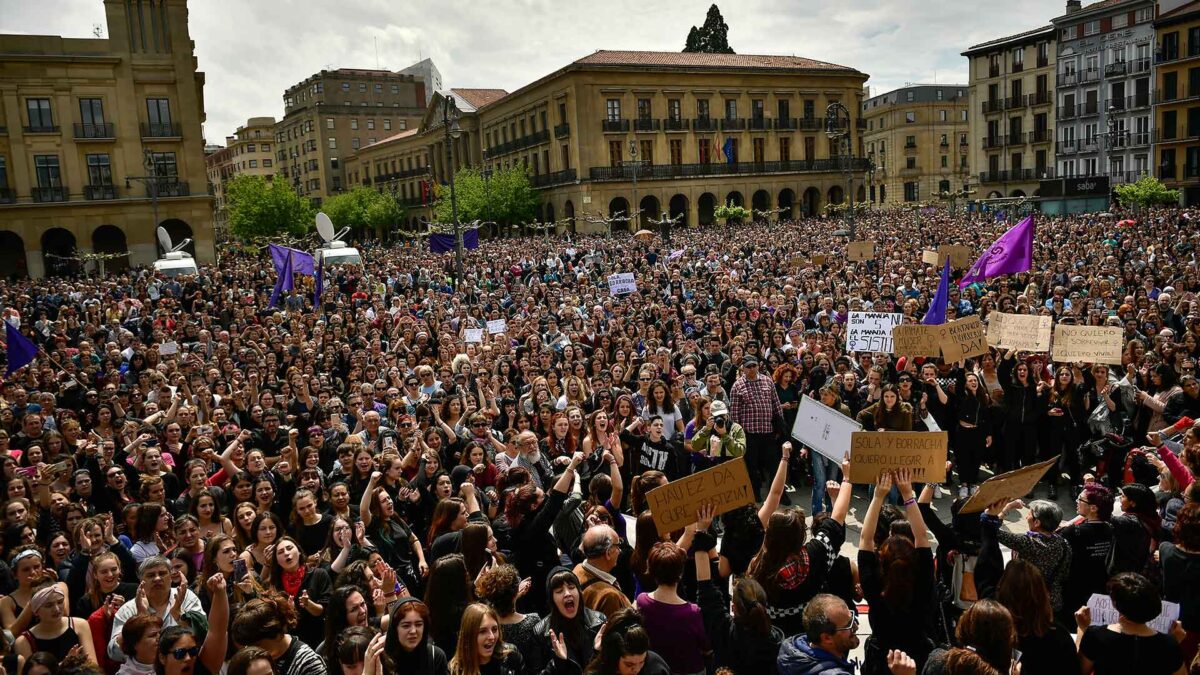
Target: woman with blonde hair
481	651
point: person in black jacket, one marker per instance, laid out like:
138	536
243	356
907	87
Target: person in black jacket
529	513
745	641
1064	419
1021	414
972	431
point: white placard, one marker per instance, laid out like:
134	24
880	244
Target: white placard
497	326
473	335
871	331
168	348
823	429
621	284
1104	614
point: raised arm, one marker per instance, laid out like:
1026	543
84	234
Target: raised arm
614	473
841	505
778	485
866	540
364	504
920	533
216	642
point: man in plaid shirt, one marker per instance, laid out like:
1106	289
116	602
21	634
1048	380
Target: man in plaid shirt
755	406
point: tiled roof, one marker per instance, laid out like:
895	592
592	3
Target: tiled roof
697	60
479	98
395	137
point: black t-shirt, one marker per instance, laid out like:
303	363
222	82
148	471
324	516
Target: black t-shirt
1113	653
1090	545
312	538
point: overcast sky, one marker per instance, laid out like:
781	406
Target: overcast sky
251	50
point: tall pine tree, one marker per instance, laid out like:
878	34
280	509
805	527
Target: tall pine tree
712	37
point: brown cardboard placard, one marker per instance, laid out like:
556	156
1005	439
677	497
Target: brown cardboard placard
1089	344
860	250
725	486
818	259
921	452
962	339
1022	332
995	328
960	256
1007	486
930	257
915	339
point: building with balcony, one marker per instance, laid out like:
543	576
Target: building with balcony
918	139
335	113
1103	93
1177	98
250	150
90	129
1012	114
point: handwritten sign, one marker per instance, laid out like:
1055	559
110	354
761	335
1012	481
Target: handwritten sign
725	486
622	283
497	326
168	348
823	429
1007	486
871	331
796	261
818	259
860	250
1104	614
929	257
1022	332
1090	344
962	339
917	340
960	256
473	335
921	452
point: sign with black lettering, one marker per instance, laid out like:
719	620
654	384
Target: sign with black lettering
923	453
725	486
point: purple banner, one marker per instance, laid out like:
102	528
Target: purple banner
444	243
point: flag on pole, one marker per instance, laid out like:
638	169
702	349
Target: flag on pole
319	285
716	144
1012	253
936	315
284	282
728	150
21	349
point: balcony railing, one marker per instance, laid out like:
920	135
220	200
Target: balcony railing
95	131
99	192
1138	101
1068	79
733	124
993	106
1041	98
41	129
161	131
1041	135
758	124
676	124
1089	75
43	195
556	178
1141	65
1013	102
700	124
614	126
169	188
1066	147
645	125
562	130
1180	94
1016	175
1167	172
1116	69
993	71
1115	103
786	123
1139	138
1043	61
664	171
812	123
8	195
1018	66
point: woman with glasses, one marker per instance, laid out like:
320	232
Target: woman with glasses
179	651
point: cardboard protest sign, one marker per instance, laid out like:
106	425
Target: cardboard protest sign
1022	332
1007	486
725	486
497	326
823	429
818	259
796	261
929	257
1104	614
1090	344
962	339
860	250
960	256
473	335
921	452
621	284
916	340
168	348
871	331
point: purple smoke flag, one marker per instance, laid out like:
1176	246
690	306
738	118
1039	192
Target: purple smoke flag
936	315
284	283
444	243
302	263
320	284
1012	253
21	349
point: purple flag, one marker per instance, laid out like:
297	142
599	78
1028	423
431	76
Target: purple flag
444	243
1012	253
21	349
302	263
936	315
320	285
284	283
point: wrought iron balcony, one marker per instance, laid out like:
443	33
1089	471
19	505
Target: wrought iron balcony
759	124
646	124
677	124
704	124
43	195
169	188
666	171
161	131
562	130
733	124
41	129
614	126
786	123
1116	69
100	192
812	123
994	106
8	195
104	131
556	178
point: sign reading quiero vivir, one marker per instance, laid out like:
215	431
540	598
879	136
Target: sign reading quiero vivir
921	452
725	486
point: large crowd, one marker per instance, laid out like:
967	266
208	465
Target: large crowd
197	482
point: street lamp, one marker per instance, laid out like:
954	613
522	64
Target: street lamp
871	179
1112	137
635	209
451	132
150	180
486	174
837	128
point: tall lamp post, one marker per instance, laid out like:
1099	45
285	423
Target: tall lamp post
150	180
1112	137
871	179
635	209
837	128
451	132
486	175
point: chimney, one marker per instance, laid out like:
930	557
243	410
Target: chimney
1074	6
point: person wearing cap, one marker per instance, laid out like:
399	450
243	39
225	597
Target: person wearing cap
754	405
719	440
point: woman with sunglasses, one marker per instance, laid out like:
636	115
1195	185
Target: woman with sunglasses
178	650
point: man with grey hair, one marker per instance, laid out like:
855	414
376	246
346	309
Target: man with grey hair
601	590
156	596
830	634
1041	545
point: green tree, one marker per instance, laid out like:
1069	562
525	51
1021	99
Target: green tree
712	37
506	198
1147	191
262	208
363	209
731	213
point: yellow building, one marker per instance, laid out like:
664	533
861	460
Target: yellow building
1012	115
249	151
1177	99
334	114
574	128
917	139
100	142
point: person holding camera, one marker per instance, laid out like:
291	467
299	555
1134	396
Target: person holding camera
719	440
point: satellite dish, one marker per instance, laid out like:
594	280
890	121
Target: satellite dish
324	226
341	233
164	239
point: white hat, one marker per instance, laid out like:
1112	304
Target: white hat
718	408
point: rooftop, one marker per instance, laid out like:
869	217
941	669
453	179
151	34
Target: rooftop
983	46
479	98
695	60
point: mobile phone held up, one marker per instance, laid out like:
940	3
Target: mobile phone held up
239	570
